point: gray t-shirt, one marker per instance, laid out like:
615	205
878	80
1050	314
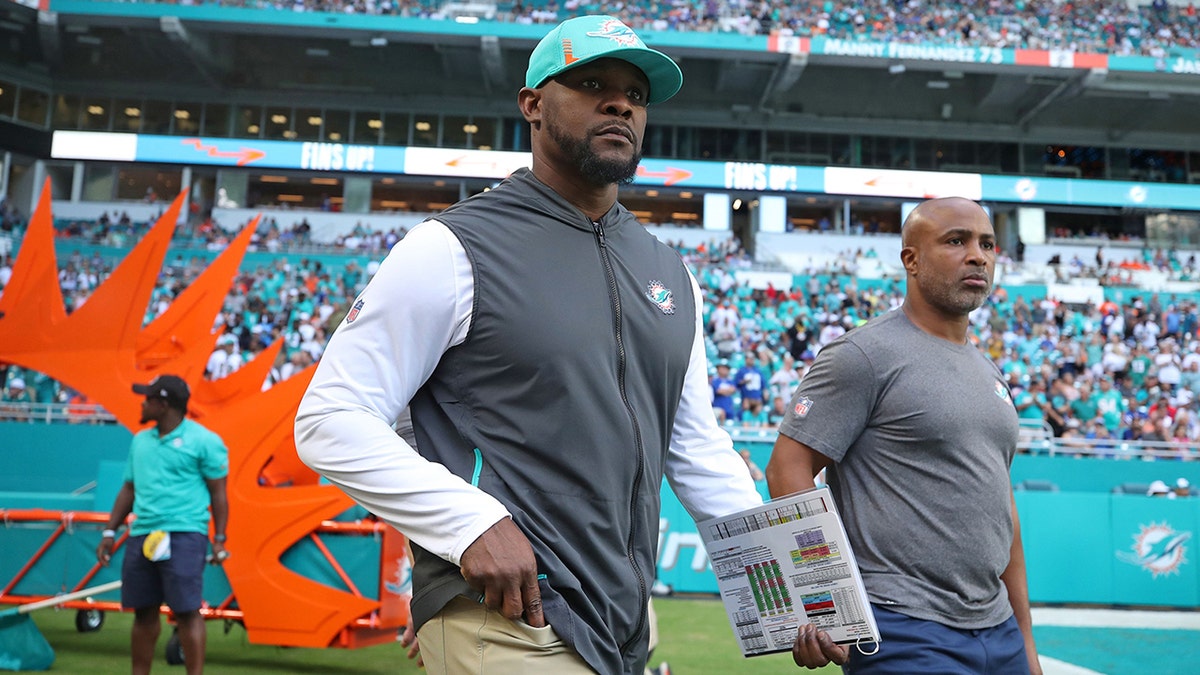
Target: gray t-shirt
922	433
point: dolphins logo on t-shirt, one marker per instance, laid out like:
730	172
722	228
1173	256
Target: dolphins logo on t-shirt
1002	392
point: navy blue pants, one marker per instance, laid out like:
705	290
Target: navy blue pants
178	580
917	646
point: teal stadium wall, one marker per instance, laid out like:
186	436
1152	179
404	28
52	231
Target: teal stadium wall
1081	542
71	467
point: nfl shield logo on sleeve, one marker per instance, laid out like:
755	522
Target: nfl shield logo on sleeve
803	406
353	313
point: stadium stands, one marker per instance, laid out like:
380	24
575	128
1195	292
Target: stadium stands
784	317
1110	27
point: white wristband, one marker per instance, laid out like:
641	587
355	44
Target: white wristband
108	534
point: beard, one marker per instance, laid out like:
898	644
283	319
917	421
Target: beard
945	296
594	168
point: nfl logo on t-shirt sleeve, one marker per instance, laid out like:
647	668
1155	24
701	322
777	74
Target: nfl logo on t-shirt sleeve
803	406
353	313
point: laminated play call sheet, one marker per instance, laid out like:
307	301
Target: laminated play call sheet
784	564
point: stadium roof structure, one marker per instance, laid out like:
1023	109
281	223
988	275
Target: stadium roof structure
212	53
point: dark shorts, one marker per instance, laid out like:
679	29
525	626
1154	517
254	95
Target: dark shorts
917	646
178	580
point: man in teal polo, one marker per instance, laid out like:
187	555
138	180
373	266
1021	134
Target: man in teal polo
1111	404
175	472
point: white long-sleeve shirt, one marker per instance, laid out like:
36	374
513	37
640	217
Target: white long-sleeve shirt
418	306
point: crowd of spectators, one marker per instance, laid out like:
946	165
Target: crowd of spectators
1108	373
119	230
1111	272
1103	26
1105	373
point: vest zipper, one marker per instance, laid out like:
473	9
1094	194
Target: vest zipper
615	298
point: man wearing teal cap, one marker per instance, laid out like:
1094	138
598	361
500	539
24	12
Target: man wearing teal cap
588	38
552	355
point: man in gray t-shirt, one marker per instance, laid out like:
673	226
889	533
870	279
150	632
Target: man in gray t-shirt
918	431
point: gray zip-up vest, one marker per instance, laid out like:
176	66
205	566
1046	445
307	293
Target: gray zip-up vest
560	403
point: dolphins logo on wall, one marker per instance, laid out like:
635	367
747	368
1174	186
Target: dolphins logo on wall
1158	549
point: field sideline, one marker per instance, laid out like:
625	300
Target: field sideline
695	640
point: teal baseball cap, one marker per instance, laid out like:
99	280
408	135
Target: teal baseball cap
583	39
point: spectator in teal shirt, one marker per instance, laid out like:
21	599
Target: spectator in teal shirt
1111	405
1139	367
1031	401
1084	408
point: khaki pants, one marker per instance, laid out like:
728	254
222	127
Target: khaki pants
466	638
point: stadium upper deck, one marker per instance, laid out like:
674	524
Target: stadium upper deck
905	83
1111	27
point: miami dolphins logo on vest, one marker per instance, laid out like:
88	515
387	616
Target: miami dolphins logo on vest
617	32
1002	391
661	296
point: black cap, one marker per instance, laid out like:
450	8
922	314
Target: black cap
170	387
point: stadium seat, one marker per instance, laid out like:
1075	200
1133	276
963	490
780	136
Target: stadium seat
1034	485
1131	489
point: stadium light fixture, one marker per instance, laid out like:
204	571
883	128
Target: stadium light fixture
937	84
897	68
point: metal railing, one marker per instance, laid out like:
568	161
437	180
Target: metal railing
52	413
1036	438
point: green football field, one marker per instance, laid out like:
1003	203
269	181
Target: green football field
696	639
